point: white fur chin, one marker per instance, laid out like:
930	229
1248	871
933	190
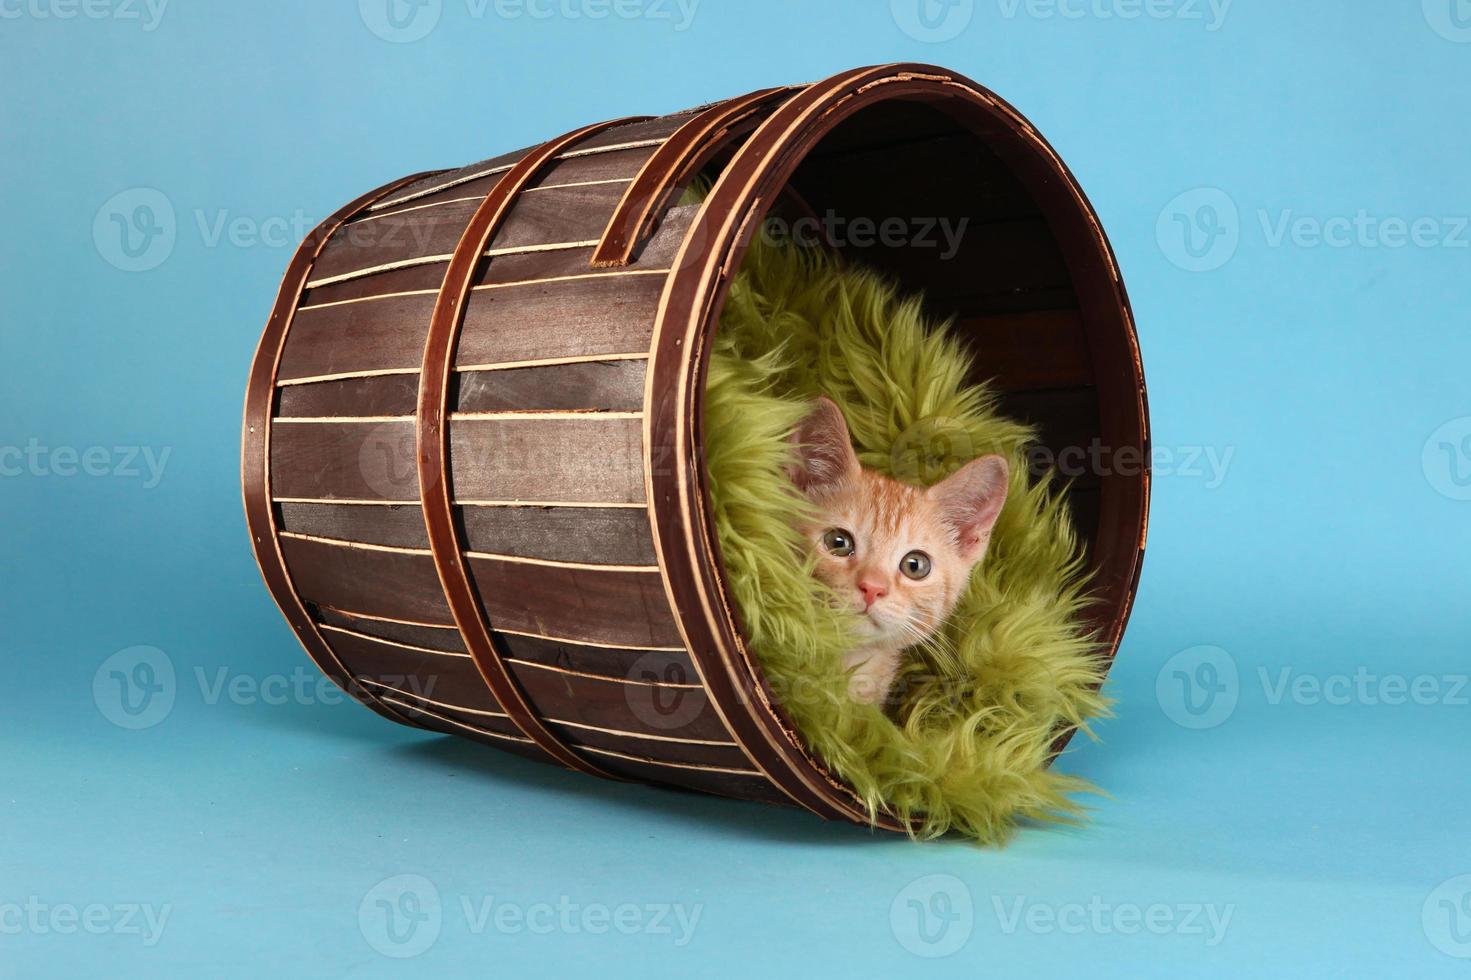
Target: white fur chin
872	674
875	631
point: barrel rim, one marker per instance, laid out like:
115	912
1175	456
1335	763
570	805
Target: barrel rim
687	318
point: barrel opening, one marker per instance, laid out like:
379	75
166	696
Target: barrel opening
948	191
961	201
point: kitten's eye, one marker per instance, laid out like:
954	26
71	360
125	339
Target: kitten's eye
915	565
839	542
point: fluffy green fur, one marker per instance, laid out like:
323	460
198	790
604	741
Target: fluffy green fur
982	704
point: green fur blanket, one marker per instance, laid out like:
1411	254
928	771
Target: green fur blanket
979	707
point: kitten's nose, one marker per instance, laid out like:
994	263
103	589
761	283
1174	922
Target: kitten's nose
872	591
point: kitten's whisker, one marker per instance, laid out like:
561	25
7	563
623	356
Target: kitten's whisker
940	643
913	628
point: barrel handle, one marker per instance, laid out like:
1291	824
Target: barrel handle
676	160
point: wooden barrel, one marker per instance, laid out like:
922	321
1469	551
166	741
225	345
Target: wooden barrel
472	438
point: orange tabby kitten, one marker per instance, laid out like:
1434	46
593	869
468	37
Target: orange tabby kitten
899	555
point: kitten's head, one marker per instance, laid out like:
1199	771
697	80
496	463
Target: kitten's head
898	555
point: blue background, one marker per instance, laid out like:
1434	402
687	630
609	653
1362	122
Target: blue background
1335	542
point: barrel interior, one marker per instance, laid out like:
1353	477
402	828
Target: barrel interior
959	203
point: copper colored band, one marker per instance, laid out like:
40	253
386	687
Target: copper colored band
432	436
683	536
255	452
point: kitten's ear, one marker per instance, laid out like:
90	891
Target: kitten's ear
823	454
970	500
